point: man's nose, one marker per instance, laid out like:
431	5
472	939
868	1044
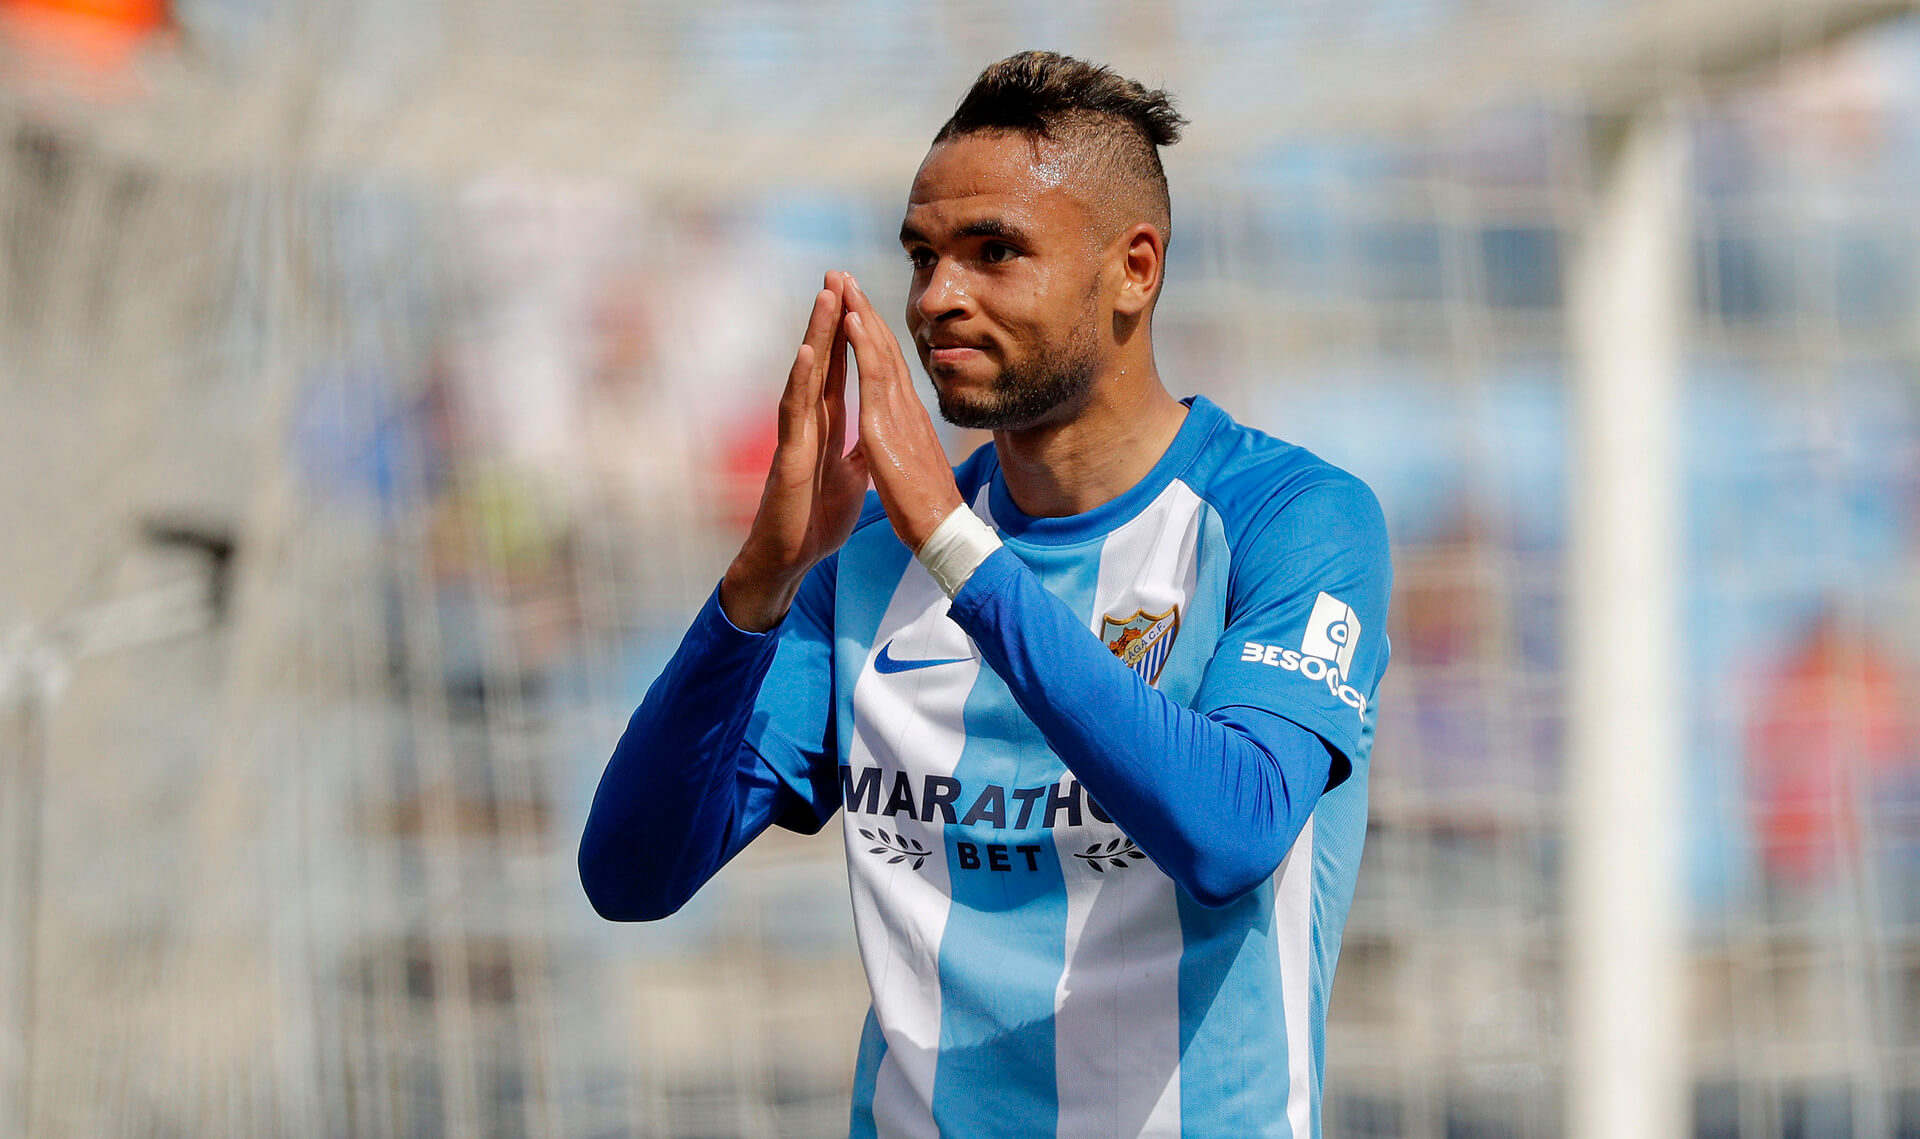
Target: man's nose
945	294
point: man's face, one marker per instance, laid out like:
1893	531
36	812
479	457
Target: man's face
1006	305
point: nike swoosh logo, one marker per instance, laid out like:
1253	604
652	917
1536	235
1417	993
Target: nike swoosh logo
886	662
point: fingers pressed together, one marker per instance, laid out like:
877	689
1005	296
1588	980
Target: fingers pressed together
902	449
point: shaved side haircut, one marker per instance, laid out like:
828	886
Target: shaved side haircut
1114	124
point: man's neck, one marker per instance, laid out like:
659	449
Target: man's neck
1096	456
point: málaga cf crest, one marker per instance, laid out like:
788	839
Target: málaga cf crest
1143	640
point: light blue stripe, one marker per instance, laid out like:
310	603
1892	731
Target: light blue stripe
1232	1081
1233	1073
870	567
1004	946
866	1074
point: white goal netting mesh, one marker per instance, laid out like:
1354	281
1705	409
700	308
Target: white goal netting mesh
382	386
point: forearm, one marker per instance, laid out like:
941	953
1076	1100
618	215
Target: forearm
664	815
1216	800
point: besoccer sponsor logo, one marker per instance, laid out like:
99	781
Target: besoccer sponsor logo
1332	631
1325	654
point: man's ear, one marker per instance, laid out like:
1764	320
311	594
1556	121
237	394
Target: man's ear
1143	251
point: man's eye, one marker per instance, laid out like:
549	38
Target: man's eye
997	251
921	258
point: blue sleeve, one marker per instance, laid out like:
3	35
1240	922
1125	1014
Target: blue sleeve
1215	800
732	737
1307	616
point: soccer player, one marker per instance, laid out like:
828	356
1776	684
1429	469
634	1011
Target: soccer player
1096	704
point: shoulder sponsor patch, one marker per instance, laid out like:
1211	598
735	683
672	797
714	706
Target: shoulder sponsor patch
1332	632
1325	654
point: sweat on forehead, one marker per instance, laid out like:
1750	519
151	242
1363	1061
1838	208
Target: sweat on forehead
1084	165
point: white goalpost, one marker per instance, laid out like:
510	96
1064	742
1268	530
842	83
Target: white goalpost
1625	924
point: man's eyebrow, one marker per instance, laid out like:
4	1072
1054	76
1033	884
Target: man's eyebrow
990	227
984	227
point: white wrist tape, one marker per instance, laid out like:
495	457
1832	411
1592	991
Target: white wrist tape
956	548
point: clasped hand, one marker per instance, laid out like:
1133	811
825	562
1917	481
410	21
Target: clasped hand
813	491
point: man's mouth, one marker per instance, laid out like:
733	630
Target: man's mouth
949	355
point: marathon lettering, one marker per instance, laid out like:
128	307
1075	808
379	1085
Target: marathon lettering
981	805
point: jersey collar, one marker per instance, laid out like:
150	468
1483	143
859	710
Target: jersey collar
1203	417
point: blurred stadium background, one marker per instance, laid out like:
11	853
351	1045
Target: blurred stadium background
383	383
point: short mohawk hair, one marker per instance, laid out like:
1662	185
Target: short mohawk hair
1062	99
1039	92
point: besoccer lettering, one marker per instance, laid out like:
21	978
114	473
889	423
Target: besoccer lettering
1325	653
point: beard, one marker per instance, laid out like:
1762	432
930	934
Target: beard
1029	391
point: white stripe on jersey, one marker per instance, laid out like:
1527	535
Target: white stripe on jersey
895	906
983	507
1123	939
1293	935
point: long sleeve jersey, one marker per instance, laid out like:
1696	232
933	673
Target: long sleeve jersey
1103	810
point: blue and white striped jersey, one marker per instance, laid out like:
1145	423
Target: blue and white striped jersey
1033	969
1099	870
